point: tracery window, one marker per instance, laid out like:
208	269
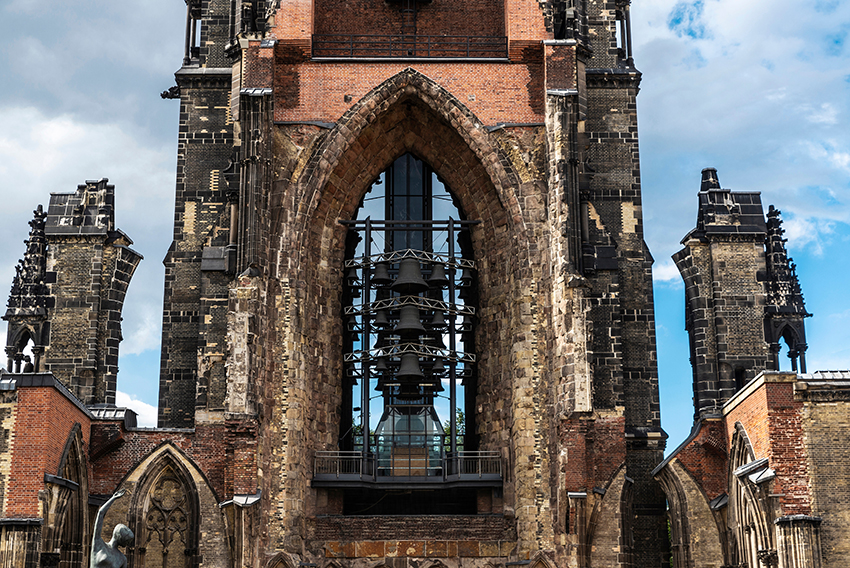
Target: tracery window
166	530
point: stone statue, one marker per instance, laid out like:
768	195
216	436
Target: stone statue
107	555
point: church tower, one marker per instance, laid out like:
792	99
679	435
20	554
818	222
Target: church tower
64	309
409	281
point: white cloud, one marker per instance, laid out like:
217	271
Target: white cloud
146	413
808	233
41	154
143	333
665	271
826	113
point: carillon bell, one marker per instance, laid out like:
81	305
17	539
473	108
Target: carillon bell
381	340
381	366
409	279
381	319
409	391
409	369
351	277
438	368
466	277
408	322
437	338
381	276
438	277
438	321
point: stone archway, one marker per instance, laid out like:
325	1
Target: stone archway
65	531
408	113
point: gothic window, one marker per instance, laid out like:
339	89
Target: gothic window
166	528
409	314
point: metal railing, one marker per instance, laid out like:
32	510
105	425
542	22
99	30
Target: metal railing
353	466
354	45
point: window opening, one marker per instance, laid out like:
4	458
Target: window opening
409	297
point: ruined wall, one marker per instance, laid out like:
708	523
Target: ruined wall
825	423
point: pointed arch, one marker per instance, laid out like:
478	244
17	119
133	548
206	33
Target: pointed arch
627	537
73	467
371	134
283	560
609	540
749	514
165	515
65	521
540	560
695	530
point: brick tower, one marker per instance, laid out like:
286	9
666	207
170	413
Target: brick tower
408	265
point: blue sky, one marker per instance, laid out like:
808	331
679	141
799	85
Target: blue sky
758	89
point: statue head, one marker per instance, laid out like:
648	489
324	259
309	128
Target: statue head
122	535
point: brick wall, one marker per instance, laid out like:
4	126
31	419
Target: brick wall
437	18
324	91
44	418
774	424
826	424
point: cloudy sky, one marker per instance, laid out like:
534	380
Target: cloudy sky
758	89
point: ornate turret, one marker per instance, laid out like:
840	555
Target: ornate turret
29	299
785	310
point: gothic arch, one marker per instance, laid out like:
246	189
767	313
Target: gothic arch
165	515
749	515
407	113
540	560
19	336
609	532
282	560
695	530
65	529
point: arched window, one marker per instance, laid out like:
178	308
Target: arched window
167	523
409	298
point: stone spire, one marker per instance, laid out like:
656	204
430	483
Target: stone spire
29	293
783	288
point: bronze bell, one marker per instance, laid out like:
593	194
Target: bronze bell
409	279
409	369
381	366
385	381
351	276
381	275
409	391
408	322
437	338
438	277
381	319
466	277
438	321
438	368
